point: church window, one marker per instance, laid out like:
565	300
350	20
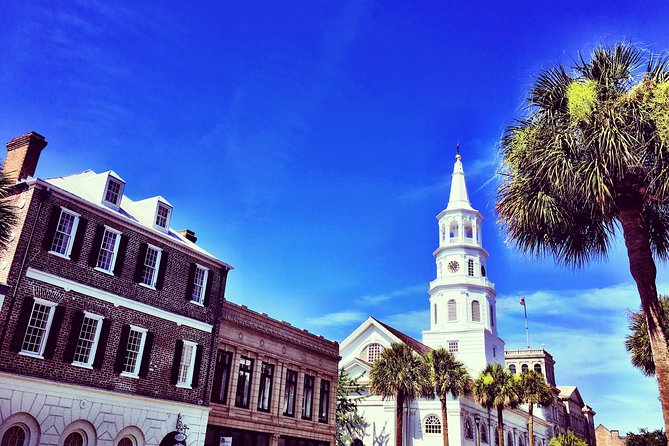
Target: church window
476	311
432	425
484	432
494	351
470	267
482	271
435	313
74	439
452	310
453	346
441	269
373	352
453	229
537	368
520	441
443	233
469	432
512	368
14	436
509	439
524	368
492	316
468	228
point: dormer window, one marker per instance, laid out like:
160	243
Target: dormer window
163	214
113	191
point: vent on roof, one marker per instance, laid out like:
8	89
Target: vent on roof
188	235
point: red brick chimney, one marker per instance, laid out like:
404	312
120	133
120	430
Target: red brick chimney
188	235
22	155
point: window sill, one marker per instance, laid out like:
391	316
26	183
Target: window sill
147	286
183	386
97	268
31	354
129	375
82	365
197	303
62	256
289	415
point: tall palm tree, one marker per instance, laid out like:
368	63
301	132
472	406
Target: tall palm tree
403	375
448	375
637	342
533	390
7	211
497	388
591	156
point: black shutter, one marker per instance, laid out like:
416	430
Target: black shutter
196	366
102	344
191	282
78	239
51	228
176	362
22	324
122	349
141	257
120	255
77	321
54	331
146	356
160	280
207	290
95	247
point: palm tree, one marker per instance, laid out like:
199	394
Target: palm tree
448	375
637	342
7	211
497	388
591	156
403	375
533	390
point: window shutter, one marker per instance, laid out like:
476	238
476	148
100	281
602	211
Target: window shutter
122	349
196	366
190	283
95	247
22	324
78	239
207	290
51	228
146	356
77	321
102	344
160	280
120	256
141	257
176	362
54	331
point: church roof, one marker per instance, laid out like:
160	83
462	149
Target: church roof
415	345
571	392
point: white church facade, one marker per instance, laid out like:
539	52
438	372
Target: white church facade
463	320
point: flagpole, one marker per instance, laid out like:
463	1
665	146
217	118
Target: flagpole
527	329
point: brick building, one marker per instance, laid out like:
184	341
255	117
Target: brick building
607	437
274	384
108	317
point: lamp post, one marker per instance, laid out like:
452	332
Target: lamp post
477	421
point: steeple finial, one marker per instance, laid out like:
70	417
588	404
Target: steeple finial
457	152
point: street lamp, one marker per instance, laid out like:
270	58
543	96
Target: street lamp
477	421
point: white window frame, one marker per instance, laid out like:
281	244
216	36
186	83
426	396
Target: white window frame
140	353
47	330
191	366
203	290
96	339
427	428
121	184
453	346
159	255
73	234
167	219
112	264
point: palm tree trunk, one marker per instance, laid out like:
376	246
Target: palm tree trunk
530	424
642	267
500	425
399	421
444	417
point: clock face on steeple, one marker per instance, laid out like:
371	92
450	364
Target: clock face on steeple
453	266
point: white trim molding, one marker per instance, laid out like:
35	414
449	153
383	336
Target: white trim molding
116	300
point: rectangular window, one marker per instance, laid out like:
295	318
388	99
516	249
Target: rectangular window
65	231
324	404
108	250
199	284
470	267
134	350
244	382
222	377
39	324
308	397
162	216
151	264
185	376
113	192
289	394
88	340
453	346
265	393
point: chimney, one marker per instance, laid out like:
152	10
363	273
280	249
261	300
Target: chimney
615	433
188	235
22	155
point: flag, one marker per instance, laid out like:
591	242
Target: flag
522	301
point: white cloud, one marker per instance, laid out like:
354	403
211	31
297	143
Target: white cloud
372	299
337	318
411	323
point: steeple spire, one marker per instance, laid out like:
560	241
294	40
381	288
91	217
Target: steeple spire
459	199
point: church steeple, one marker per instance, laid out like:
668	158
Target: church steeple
459	198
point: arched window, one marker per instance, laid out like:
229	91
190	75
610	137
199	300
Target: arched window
74	439
469	432
484	432
452	310
509	439
512	368
537	368
453	229
470	267
476	311
482	271
373	352
14	436
432	425
492	317
435	313
496	439
126	441
524	368
520	441
467	225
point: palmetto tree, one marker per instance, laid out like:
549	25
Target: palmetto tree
591	157
497	388
533	391
7	211
403	375
637	342
448	375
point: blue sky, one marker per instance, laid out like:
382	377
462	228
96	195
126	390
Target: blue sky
310	145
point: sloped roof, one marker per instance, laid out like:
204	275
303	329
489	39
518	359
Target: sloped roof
571	392
415	345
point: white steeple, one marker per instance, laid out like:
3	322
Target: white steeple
462	299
